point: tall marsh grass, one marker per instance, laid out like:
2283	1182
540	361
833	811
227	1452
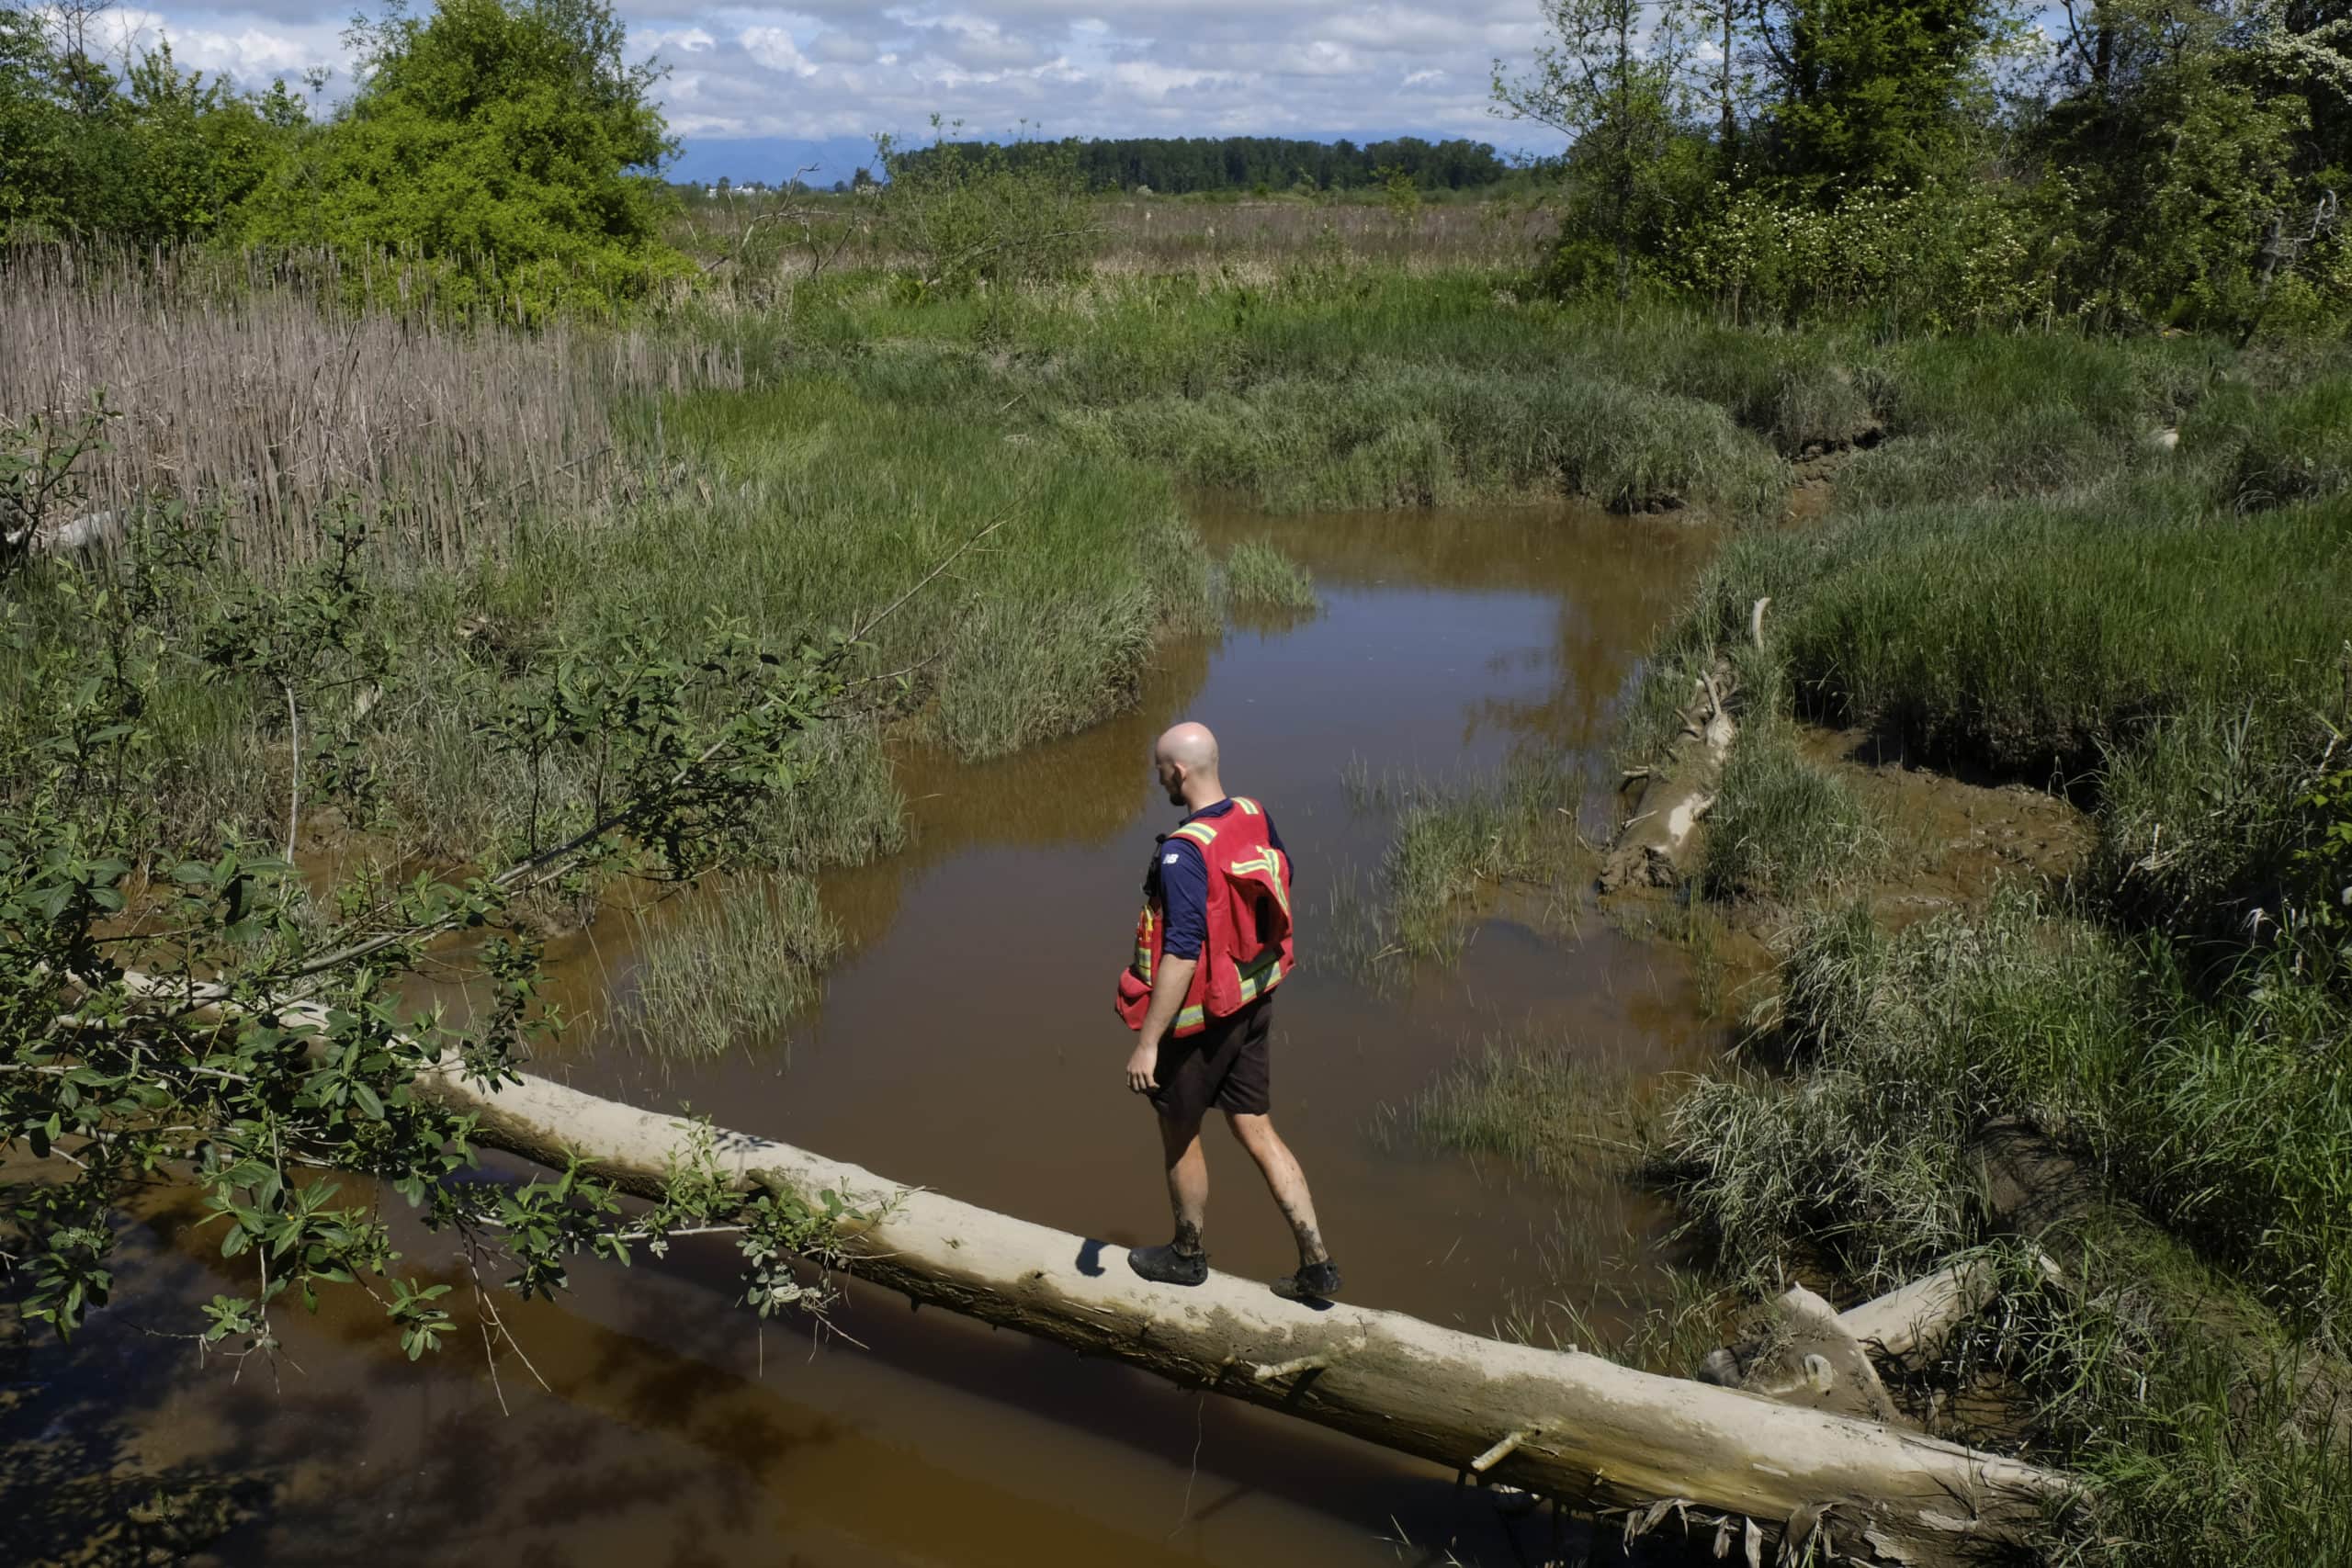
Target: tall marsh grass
734	971
1450	843
1781	828
270	408
1259	576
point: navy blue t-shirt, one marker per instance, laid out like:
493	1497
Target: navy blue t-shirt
1181	878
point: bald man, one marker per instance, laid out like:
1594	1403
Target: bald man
1213	943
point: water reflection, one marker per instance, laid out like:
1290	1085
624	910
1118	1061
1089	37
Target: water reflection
968	1043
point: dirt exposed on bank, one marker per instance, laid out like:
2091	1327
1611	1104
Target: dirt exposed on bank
1950	843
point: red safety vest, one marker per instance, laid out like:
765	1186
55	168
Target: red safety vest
1247	948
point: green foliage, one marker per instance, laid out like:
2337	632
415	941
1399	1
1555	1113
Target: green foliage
1872	95
1939	257
2323	862
42	475
1179	165
157	157
261	1043
1258	574
1781	827
975	215
2183	168
1619	101
509	139
2173	160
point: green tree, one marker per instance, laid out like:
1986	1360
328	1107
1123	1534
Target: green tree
508	137
157	157
1872	93
2171	161
1612	80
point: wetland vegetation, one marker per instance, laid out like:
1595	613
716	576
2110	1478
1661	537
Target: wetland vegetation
451	588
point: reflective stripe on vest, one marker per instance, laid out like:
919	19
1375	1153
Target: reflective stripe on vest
1263	975
1271	864
1144	944
1200	833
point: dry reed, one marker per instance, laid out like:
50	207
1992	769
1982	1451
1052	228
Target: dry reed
267	402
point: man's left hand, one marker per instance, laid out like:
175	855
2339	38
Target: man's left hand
1143	1067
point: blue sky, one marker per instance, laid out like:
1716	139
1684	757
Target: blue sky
750	88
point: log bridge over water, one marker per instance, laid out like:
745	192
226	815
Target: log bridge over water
1746	1471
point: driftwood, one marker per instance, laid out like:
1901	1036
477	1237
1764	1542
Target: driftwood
1560	1424
1822	1359
1653	847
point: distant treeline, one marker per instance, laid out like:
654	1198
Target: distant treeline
1179	164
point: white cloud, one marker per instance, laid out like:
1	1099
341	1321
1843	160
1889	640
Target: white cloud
674	40
841	48
831	68
774	47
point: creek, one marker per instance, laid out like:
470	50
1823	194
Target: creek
966	1042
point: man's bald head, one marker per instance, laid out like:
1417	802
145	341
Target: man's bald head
1185	759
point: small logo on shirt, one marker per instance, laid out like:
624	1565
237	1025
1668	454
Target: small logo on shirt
1168	860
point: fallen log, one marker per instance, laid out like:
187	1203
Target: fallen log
1820	1358
1560	1424
1654	845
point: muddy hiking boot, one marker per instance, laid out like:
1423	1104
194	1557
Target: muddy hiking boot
1166	1266
1312	1282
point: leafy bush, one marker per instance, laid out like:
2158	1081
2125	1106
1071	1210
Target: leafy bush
972	216
509	141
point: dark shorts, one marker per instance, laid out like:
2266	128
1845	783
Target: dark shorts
1226	1066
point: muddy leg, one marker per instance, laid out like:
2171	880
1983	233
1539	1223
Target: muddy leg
1188	1181
1284	1179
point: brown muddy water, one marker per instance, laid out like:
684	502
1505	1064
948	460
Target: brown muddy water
966	1042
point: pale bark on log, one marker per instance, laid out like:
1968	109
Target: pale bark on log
1910	1321
1654	846
1585	1429
1561	1424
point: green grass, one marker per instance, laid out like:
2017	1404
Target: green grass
2030	634
1781	828
1545	1108
793	510
1450	843
2171	1363
1259	576
2293	447
731	971
1417	436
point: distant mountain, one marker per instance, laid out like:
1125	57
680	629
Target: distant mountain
772	159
